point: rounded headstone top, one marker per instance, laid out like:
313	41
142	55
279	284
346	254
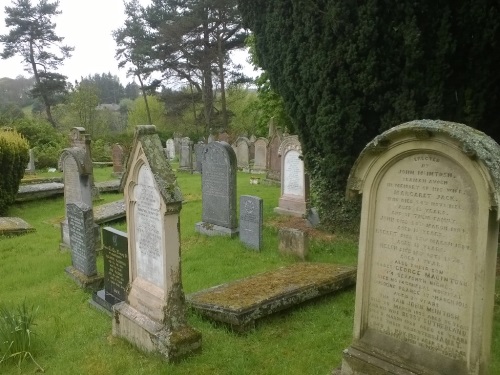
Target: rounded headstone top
473	143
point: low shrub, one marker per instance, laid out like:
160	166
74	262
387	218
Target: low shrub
14	157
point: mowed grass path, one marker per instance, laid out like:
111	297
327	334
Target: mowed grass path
73	338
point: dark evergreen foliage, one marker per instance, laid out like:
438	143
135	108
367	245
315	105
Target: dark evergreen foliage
349	70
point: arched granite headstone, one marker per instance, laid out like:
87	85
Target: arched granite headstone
259	164
427	248
218	191
243	153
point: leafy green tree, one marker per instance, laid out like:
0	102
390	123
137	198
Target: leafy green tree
138	115
83	101
348	70
109	88
33	37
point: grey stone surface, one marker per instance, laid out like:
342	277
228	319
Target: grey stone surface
108	212
186	155
251	220
259	164
273	164
28	192
219	187
30	168
243	153
14	226
198	151
170	146
81	238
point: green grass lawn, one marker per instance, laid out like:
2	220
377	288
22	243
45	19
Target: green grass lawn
73	338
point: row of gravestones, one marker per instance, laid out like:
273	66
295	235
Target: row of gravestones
426	269
263	152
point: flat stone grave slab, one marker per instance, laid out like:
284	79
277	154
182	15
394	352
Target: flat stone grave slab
108	186
240	303
14	226
28	192
109	212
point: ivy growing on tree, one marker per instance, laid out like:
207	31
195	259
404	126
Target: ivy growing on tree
349	70
32	36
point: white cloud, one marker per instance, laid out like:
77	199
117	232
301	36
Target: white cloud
87	26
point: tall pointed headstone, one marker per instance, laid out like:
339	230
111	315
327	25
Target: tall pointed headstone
154	316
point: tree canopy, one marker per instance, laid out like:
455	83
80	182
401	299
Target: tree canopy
350	70
32	36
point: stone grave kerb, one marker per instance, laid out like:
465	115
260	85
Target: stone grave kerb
294	199
154	314
467	233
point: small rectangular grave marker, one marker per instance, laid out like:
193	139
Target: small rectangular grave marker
116	269
251	219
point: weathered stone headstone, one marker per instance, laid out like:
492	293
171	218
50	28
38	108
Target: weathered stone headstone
154	315
273	158
427	247
243	153
117	156
294	198
251	220
218	191
77	170
116	269
272	128
198	151
177	143
186	155
259	164
83	252
30	168
252	138
293	242
211	138
170	145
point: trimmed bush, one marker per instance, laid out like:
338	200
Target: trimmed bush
13	160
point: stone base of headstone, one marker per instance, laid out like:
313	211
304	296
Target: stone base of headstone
290	212
14	226
103	302
356	362
293	242
258	171
153	337
215	230
93	283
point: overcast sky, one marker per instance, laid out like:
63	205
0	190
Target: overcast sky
87	26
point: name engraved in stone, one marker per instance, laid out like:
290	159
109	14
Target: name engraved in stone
293	174
420	288
148	229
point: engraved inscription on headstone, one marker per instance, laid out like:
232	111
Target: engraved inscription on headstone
293	174
251	219
148	228
427	246
81	236
218	190
116	268
424	211
72	190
